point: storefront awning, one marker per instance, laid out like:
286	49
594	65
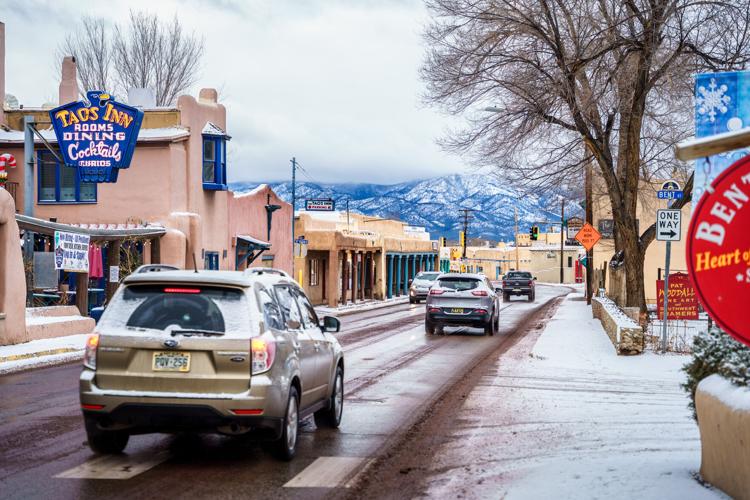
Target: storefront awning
96	232
248	249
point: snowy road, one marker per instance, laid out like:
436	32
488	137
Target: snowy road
394	373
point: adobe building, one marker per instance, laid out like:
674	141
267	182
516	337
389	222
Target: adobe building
353	257
172	205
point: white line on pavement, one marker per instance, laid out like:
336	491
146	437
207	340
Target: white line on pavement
326	472
115	466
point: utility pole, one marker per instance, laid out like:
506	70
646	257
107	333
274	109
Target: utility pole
466	214
515	216
294	198
562	242
590	220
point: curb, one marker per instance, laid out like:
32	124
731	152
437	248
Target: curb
373	306
49	352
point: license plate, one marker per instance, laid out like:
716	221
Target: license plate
171	361
516	289
457	310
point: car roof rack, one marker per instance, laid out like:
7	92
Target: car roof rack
155	268
266	270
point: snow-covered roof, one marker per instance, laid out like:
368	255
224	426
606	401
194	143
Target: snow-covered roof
332	216
257	189
144	135
213	129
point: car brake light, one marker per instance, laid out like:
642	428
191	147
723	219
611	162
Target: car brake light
479	293
505	283
263	352
480	311
89	355
434	309
92	407
437	291
182	290
247	412
531	282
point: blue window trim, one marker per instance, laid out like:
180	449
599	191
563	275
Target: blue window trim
220	162
40	154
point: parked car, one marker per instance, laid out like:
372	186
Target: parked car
519	283
420	286
212	351
461	299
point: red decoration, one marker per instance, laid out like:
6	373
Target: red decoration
718	250
682	301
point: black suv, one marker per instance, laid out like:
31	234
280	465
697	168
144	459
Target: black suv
518	283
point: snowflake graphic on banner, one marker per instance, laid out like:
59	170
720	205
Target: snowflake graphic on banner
712	100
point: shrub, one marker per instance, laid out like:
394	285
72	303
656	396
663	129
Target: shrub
715	351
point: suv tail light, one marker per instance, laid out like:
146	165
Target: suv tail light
479	293
89	355
437	291
262	354
531	282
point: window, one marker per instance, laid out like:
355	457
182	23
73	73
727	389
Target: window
59	184
271	312
211	261
214	163
314	271
288	304
458	284
570	261
309	318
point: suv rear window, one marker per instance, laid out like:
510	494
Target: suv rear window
518	275
458	284
178	307
427	276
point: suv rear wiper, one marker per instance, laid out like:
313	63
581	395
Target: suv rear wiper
191	332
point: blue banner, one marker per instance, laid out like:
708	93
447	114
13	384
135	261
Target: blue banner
722	104
97	137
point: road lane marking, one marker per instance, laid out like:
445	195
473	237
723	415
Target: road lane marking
115	466
326	472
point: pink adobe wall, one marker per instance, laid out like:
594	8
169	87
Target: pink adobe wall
12	278
247	215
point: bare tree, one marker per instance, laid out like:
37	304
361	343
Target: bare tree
145	53
607	81
90	45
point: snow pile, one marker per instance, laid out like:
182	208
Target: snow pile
737	398
620	318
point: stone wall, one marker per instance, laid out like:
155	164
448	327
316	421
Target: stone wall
626	335
724	420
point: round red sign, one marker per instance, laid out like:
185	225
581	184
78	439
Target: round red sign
718	250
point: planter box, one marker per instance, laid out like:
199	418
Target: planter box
723	411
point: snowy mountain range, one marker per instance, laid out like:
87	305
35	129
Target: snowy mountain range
434	203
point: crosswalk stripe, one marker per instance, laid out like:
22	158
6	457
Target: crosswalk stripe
326	472
115	466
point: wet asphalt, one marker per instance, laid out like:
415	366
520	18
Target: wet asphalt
394	372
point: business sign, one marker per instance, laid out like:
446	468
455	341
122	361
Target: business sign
682	301
722	104
668	225
718	250
320	205
72	252
670	190
97	137
574	224
588	236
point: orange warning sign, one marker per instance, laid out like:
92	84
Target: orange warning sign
588	236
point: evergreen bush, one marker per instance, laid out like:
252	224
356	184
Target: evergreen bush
715	351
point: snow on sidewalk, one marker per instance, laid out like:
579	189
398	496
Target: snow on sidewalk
573	420
41	352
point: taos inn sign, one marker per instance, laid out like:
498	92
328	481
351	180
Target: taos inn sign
97	137
718	250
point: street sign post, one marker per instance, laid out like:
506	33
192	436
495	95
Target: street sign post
320	205
670	190
588	236
668	225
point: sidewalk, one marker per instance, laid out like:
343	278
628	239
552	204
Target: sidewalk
367	305
573	420
41	352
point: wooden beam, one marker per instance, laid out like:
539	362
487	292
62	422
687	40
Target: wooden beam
712	145
113	260
156	251
82	293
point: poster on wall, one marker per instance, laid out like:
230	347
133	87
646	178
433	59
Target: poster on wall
72	252
722	104
97	137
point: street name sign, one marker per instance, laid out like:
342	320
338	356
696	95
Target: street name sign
668	225
670	190
320	205
718	250
588	236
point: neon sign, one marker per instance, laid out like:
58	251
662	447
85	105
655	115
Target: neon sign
97	137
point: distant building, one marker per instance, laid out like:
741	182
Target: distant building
353	257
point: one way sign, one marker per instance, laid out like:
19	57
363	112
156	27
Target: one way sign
668	225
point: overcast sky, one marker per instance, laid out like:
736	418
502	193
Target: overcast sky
333	82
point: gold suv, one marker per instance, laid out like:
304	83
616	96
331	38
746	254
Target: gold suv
211	351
